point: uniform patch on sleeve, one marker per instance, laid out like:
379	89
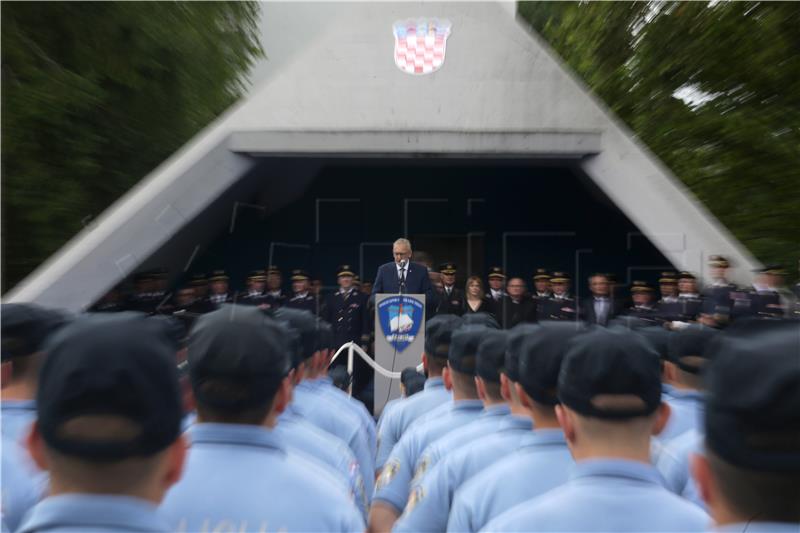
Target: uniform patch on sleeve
387	474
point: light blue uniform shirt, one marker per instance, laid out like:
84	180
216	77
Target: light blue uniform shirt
314	405
322	446
23	485
395	479
391	431
487	422
86	513
17	417
673	463
687	408
356	407
240	477
605	495
429	504
541	463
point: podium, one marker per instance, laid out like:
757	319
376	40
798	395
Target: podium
399	340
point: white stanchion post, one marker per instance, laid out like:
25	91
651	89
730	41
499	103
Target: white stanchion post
350	368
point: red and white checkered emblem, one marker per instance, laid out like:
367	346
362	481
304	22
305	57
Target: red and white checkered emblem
419	44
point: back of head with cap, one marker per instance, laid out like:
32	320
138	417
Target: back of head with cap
541	355
687	355
462	360
238	359
490	360
25	328
303	328
610	383
108	403
753	426
438	334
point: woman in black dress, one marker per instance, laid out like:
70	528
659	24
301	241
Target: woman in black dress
475	300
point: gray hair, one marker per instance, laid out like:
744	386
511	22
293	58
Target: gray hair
402	242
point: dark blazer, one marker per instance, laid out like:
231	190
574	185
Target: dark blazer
453	304
588	315
509	314
417	282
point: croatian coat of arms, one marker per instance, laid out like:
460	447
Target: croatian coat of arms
419	44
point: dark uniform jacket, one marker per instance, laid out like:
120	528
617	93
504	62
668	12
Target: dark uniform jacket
304	303
510	313
348	316
646	313
247	298
717	299
275	300
560	309
451	304
216	300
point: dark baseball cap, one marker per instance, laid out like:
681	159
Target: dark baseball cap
491	355
120	365
25	327
610	373
753	399
464	348
687	347
658	338
408	374
304	327
541	354
515	342
438	333
480	319
238	357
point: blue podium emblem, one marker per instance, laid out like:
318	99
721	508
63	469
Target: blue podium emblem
400	318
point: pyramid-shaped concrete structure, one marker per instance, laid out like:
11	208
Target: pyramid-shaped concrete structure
330	87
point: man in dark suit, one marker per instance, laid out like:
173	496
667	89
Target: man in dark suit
515	307
452	298
600	307
403	276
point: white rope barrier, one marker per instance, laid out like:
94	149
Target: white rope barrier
352	347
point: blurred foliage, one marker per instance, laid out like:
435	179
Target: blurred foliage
738	149
97	94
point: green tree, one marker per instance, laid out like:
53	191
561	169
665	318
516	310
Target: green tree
737	145
95	95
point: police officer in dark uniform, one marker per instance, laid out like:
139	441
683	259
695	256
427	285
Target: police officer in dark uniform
274	295
643	306
144	298
219	292
690	301
717	299
452	298
669	307
497	279
302	298
346	311
541	292
254	295
560	306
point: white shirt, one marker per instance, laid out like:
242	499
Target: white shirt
405	271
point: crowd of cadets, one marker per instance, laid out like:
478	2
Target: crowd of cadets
548	426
